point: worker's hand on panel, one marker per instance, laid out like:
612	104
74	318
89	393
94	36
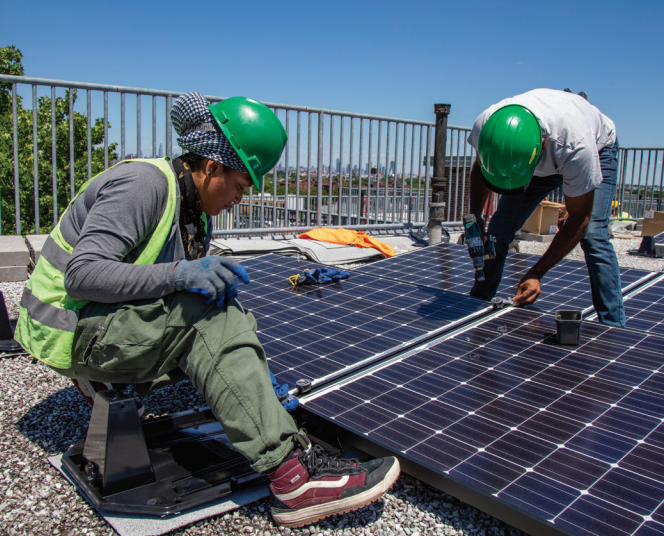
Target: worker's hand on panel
527	291
212	277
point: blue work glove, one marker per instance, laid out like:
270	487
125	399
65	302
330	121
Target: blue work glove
332	274
289	402
212	277
319	275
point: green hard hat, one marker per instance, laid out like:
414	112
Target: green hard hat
254	131
509	147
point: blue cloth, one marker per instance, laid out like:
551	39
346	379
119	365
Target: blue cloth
600	256
320	275
288	401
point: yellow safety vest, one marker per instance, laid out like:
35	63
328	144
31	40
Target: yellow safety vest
47	315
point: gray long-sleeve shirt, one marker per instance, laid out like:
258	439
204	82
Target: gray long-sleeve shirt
109	225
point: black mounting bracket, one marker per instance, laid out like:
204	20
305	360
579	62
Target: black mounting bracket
161	465
7	342
648	248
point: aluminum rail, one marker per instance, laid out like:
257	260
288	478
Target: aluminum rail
383	359
211	98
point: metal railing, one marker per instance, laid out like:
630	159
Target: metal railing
640	185
338	168
640	181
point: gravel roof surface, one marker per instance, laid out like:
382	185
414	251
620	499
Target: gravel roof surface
41	414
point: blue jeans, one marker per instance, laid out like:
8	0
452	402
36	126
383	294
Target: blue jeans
601	258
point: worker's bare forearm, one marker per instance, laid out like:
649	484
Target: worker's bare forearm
564	242
479	193
579	210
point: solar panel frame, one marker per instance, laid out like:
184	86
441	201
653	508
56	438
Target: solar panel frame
322	331
448	267
570	436
659	239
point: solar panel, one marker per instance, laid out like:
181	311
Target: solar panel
448	267
313	332
659	239
644	310
571	435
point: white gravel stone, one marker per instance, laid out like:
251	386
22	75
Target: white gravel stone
620	245
12	293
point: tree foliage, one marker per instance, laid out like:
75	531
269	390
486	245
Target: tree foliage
10	63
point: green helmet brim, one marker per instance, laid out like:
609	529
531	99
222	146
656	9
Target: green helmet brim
510	192
240	152
512	182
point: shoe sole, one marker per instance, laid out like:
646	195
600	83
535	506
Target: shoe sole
307	516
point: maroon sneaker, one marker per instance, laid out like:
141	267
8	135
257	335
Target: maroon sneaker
89	389
309	485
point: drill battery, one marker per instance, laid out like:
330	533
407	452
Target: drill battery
478	249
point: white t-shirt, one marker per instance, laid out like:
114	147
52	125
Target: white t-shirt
574	132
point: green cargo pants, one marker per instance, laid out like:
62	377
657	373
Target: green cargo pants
141	341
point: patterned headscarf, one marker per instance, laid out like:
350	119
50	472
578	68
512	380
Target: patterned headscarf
198	132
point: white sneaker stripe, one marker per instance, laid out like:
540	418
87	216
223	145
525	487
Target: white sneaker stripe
313	484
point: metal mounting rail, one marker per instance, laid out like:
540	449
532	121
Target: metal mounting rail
451	330
373	365
361	366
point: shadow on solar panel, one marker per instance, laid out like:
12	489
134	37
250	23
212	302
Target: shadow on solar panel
448	267
312	332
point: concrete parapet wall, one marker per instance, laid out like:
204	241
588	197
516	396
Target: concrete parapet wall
14	258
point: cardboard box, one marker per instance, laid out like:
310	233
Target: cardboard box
653	223
544	220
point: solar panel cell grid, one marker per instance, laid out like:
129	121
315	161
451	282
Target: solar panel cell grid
645	310
574	435
448	267
313	331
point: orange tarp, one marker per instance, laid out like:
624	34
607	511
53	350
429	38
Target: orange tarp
358	239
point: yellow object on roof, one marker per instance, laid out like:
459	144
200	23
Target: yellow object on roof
358	239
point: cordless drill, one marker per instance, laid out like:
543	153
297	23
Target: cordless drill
478	250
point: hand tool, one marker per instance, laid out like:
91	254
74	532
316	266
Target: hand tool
478	249
500	303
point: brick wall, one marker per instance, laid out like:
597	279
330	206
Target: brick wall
455	189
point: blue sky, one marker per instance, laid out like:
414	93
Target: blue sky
388	58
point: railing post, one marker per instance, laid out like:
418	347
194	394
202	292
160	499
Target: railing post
319	174
438	181
169	127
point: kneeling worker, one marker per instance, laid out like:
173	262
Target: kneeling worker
527	146
124	293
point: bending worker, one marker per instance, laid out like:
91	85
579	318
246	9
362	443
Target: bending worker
527	146
124	292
